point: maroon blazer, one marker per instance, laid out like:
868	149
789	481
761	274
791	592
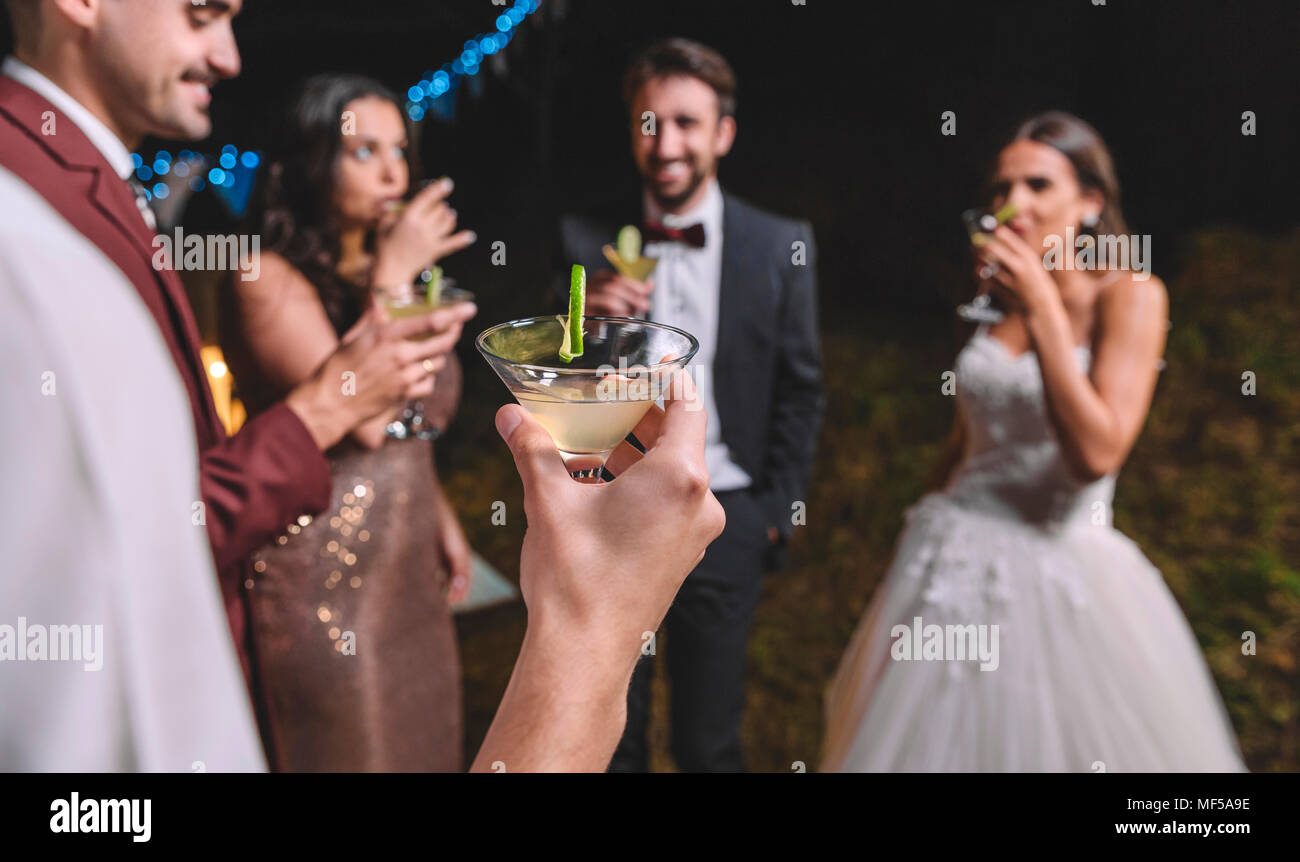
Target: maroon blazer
252	484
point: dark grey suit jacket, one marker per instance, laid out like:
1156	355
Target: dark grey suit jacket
767	369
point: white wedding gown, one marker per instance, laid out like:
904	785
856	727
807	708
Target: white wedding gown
1097	669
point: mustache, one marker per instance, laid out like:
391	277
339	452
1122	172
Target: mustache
200	76
659	163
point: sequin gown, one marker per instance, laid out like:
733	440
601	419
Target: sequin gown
354	637
1097	667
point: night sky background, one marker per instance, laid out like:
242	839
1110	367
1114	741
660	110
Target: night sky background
839	117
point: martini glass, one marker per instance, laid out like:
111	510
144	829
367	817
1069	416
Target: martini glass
635	266
979	224
408	301
590	404
637	270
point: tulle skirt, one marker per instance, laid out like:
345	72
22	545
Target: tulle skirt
1095	666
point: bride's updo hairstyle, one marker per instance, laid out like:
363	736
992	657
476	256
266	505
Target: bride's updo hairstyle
1093	166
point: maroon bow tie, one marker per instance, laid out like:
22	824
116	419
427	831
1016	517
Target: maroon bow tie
692	235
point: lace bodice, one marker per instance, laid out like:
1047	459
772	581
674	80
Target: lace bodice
1013	464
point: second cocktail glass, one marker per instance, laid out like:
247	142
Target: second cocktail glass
408	301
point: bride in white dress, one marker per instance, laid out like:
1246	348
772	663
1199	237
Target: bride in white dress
1088	663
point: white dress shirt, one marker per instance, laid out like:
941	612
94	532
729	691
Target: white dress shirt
688	291
109	144
98	523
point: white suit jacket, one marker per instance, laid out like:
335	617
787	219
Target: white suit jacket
98	526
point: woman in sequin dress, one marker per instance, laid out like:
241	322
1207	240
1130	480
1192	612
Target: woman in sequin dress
1016	629
354	640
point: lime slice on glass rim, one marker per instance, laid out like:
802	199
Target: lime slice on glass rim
572	344
1005	214
991	222
433	293
629	243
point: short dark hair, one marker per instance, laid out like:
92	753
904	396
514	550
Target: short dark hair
683	57
24	25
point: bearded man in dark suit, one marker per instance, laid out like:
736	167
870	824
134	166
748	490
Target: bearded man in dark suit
743	282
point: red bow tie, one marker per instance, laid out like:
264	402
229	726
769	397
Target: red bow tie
692	235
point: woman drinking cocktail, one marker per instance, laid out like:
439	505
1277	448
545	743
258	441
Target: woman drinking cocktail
1016	629
355	644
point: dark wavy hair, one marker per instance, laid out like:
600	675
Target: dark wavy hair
294	209
1093	165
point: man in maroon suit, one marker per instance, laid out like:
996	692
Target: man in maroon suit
89	79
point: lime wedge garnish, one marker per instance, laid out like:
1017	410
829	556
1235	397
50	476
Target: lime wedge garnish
639	269
614	258
1006	214
433	293
990	222
572	344
629	243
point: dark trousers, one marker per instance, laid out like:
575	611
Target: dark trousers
705	653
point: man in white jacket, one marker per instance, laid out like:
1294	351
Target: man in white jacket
101	477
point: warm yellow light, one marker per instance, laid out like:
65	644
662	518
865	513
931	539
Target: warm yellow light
222	383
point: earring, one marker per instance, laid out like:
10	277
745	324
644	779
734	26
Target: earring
1090	220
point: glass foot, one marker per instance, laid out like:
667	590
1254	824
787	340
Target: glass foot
589	469
980	310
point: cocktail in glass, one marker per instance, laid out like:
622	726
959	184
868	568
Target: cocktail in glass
638	269
626	258
409	301
980	224
590	404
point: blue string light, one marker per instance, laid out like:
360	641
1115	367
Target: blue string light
231	167
434	86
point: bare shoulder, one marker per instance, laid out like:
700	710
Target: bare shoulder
280	293
1132	292
1134	302
275	270
276	280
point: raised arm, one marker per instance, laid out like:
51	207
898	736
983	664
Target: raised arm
1097	417
288	334
600	566
273	470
